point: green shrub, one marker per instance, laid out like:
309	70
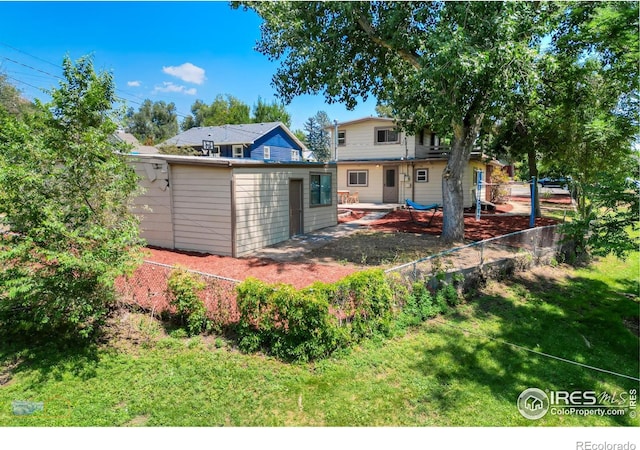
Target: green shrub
419	306
183	288
289	323
367	302
315	321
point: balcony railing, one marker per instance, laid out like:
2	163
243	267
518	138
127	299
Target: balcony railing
442	152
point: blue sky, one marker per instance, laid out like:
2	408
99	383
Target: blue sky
170	51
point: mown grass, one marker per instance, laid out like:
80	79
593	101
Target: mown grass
443	373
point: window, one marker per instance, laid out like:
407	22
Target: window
266	152
434	140
387	136
216	151
422	175
342	137
320	189
295	155
357	177
421	137
238	151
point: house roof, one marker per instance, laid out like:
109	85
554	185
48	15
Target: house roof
245	133
128	138
225	162
364	119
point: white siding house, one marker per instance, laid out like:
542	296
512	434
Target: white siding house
384	165
231	207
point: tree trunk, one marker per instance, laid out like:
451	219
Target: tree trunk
464	138
533	172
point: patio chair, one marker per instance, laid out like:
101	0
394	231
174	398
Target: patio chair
413	206
353	198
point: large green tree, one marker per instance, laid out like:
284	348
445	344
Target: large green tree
445	65
317	137
64	206
270	112
577	115
223	110
11	100
154	122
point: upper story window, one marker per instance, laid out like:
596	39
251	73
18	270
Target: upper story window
238	151
295	155
266	152
342	137
387	136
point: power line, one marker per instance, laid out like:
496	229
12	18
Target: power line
32	68
24	82
28	54
546	355
179	114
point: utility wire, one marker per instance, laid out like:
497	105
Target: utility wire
179	114
547	355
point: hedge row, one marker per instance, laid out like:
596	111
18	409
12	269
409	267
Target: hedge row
315	321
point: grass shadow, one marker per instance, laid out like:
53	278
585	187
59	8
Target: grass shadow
47	359
579	319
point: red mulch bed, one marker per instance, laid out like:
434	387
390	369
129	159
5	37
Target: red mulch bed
558	199
489	225
299	274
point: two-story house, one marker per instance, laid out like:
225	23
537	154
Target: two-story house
384	165
271	141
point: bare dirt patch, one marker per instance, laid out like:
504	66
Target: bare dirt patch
126	331
138	421
379	248
6	372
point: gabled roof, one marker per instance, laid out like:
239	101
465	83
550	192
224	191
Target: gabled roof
364	119
128	138
246	133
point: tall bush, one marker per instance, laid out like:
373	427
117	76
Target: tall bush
183	288
64	207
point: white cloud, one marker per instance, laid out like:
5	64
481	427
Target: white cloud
168	86
186	72
135	83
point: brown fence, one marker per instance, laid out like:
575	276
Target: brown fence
534	246
146	288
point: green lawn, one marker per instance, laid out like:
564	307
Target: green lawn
444	373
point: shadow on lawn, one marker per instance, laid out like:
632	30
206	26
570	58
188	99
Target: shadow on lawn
579	319
49	359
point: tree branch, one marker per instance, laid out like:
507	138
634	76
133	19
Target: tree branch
411	58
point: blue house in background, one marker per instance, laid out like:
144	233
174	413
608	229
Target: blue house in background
271	141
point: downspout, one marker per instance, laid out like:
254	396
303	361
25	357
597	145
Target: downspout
413	182
335	140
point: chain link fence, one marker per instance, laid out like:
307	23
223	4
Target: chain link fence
147	289
533	246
